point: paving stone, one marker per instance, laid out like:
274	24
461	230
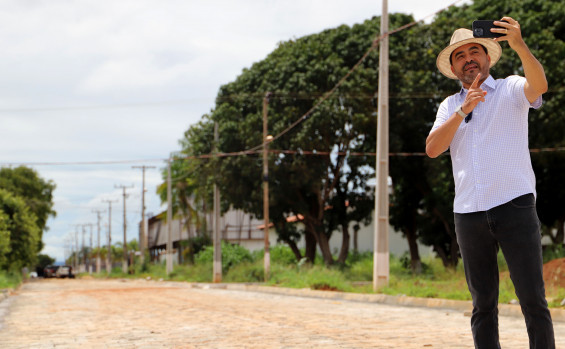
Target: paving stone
149	314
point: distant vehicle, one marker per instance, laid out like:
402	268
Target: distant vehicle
64	271
58	271
50	271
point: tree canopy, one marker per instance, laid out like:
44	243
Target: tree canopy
26	202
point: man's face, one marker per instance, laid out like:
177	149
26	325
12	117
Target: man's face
469	60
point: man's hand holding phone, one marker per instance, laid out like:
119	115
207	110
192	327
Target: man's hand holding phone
511	30
506	29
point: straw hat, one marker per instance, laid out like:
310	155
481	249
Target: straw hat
462	37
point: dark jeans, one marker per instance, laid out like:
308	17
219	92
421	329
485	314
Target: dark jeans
515	228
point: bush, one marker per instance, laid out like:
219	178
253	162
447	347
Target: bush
282	254
9	279
553	252
193	246
231	255
355	257
362	270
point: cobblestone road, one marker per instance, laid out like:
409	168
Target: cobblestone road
149	314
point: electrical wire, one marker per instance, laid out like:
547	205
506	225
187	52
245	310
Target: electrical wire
256	149
326	95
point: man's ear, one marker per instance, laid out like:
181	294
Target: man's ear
453	70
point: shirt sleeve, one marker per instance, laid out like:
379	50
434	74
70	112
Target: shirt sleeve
441	116
516	86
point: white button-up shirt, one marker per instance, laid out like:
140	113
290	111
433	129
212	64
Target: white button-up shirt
490	154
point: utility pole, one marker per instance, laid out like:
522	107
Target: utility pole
217	238
66	250
109	252
143	242
76	251
83	247
125	249
90	250
98	218
169	256
266	140
381	220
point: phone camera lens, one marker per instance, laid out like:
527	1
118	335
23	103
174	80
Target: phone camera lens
478	31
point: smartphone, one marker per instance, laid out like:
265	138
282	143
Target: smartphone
481	29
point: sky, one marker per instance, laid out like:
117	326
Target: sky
91	88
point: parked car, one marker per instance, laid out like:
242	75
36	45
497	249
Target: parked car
50	271
64	271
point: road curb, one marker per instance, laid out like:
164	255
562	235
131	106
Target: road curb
3	294
464	306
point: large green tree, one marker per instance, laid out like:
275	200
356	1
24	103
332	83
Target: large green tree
4	238
24	233
36	192
320	179
26	203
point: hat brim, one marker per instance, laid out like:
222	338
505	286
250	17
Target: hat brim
444	66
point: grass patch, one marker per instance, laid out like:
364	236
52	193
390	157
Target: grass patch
356	275
9	280
310	276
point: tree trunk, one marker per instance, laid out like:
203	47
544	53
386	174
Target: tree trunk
441	253
454	251
344	245
559	237
454	248
324	244
294	249
310	246
415	261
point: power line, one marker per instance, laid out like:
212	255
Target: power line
247	152
79	163
350	96
326	95
97	107
254	150
258	96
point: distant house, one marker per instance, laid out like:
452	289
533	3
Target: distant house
241	228
236	227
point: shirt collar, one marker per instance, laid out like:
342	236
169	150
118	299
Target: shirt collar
489	82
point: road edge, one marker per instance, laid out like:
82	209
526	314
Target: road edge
465	307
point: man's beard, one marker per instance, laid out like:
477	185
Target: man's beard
467	77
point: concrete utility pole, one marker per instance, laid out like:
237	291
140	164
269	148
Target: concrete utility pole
125	255
266	140
83	246
381	220
77	250
143	245
109	253
90	250
169	255
98	218
217	236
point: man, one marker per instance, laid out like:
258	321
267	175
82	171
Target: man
485	126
